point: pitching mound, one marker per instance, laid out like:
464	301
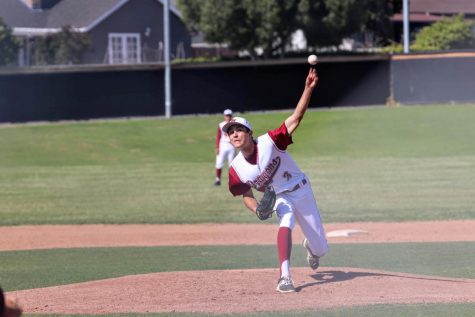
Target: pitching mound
243	291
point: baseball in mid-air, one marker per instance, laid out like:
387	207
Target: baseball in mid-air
312	59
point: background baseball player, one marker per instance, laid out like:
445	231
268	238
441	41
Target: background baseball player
224	149
263	163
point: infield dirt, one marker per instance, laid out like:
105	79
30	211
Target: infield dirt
235	291
243	291
76	236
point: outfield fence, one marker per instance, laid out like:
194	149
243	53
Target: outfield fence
88	92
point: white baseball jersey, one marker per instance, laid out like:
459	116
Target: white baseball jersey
222	137
270	165
223	144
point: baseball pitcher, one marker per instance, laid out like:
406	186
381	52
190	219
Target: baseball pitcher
263	164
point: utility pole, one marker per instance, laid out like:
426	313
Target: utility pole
405	10
166	48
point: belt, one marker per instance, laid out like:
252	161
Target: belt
301	184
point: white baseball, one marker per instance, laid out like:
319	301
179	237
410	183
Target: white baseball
312	59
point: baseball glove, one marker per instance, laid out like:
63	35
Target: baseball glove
265	207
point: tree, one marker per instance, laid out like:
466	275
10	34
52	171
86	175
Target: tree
243	24
64	47
278	21
44	50
191	12
327	22
269	24
70	46
226	21
379	23
450	33
9	45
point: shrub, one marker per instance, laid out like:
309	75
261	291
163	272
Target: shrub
64	47
9	45
393	48
451	33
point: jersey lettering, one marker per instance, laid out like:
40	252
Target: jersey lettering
265	178
271	165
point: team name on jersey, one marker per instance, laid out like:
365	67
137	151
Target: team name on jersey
273	167
265	178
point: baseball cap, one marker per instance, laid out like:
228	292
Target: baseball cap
228	112
237	121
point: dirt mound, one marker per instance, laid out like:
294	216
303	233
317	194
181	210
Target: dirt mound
243	291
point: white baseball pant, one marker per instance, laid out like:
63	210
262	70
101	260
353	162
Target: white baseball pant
226	151
301	205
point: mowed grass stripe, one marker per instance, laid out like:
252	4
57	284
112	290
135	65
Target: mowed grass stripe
412	131
421	310
159	193
376	189
371	164
41	268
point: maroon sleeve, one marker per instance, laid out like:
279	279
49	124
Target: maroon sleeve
236	187
281	137
218	137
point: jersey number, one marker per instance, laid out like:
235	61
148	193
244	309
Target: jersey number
287	175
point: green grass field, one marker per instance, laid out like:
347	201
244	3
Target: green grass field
37	269
371	164
42	268
368	164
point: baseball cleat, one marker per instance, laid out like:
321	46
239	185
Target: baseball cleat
285	285
217	183
313	260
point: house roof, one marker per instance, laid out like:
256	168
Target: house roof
417	17
82	15
442	6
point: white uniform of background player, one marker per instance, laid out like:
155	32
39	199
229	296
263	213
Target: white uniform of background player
264	162
224	148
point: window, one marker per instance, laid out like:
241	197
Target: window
124	48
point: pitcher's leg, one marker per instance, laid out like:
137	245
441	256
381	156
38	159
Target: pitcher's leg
284	248
308	216
284	236
284	243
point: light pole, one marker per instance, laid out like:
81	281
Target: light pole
405	10
166	48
